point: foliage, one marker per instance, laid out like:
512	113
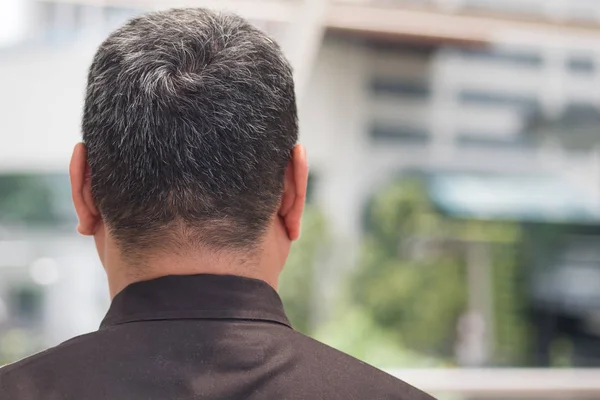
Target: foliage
414	291
353	331
16	344
511	328
411	278
297	282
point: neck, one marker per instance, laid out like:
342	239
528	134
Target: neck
121	274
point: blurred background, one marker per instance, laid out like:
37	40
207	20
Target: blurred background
453	229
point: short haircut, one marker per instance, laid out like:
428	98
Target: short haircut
189	122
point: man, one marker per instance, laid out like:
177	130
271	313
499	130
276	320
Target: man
190	180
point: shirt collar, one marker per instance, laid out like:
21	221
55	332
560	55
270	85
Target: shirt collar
196	297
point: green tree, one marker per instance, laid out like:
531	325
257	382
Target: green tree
297	282
413	286
411	279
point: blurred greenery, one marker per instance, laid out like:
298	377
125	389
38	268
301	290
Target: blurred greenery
412	275
297	282
354	332
16	344
409	279
401	305
33	198
512	330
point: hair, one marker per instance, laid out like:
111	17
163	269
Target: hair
189	122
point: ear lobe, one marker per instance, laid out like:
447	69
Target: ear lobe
294	196
81	191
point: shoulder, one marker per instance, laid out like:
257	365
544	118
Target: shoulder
340	369
47	357
42	375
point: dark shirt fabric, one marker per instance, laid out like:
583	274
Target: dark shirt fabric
197	337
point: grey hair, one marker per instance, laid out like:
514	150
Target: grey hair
189	120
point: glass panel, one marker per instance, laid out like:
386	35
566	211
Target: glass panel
35	199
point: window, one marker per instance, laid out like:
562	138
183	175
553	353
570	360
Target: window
516	58
402	134
26	303
480	140
38	199
580	64
399	88
527	103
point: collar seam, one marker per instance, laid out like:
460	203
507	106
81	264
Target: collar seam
198	315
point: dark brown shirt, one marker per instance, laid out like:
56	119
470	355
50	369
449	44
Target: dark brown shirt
197	337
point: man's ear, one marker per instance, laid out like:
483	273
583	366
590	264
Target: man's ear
294	194
81	190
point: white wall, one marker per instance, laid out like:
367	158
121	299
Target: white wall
81	277
41	98
13	20
333	119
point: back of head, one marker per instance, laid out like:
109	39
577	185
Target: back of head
189	121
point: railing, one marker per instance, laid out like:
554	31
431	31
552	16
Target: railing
506	383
